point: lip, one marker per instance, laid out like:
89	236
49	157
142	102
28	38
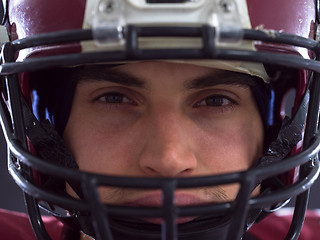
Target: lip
155	200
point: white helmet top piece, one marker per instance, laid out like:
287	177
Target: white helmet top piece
108	19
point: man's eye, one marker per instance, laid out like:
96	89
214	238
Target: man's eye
115	98
215	101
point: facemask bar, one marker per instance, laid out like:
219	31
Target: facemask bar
208	51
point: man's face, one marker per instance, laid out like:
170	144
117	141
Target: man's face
157	119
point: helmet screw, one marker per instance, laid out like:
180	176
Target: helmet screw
226	6
107	6
16	163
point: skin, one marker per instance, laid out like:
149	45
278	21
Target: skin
159	119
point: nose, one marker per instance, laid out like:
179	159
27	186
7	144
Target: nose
168	150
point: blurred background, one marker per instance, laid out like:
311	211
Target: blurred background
11	197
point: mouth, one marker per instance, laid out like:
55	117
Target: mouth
155	200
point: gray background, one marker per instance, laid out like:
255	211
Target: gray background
11	196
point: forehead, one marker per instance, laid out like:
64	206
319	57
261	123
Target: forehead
146	74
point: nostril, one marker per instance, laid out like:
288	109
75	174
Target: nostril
186	172
165	170
150	171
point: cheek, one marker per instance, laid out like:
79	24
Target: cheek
232	148
101	149
100	141
250	140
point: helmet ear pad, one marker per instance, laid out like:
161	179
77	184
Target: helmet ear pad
261	92
51	97
285	93
52	93
276	107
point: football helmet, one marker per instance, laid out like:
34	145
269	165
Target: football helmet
272	40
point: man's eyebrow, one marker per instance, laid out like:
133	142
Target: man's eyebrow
110	75
220	77
216	77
